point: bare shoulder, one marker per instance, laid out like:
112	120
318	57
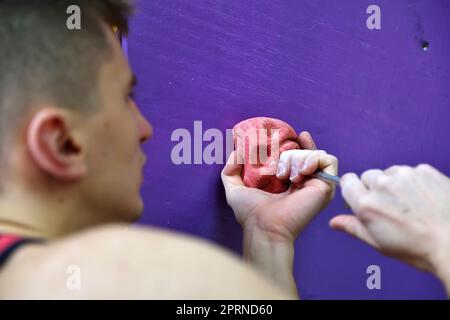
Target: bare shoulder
115	262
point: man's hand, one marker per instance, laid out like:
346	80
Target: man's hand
283	215
404	212
272	222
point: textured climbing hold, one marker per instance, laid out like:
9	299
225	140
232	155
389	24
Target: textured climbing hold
268	137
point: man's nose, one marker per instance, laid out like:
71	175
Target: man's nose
145	128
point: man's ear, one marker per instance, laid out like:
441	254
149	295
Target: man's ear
52	145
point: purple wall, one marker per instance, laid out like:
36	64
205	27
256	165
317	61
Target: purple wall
373	98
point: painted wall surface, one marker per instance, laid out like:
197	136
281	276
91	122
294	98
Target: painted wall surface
373	98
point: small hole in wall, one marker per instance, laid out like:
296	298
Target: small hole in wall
425	45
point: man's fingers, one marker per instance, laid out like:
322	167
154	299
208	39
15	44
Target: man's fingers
295	164
393	170
353	190
284	165
320	160
289	162
353	226
298	160
306	141
370	177
231	173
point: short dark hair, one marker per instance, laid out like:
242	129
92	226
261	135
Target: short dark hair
41	60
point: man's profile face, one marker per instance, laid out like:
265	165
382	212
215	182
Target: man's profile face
114	136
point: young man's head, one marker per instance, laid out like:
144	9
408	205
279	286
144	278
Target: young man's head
70	132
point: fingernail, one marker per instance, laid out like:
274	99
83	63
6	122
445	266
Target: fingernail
281	169
294	172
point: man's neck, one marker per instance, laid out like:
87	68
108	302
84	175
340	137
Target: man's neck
41	218
8	226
